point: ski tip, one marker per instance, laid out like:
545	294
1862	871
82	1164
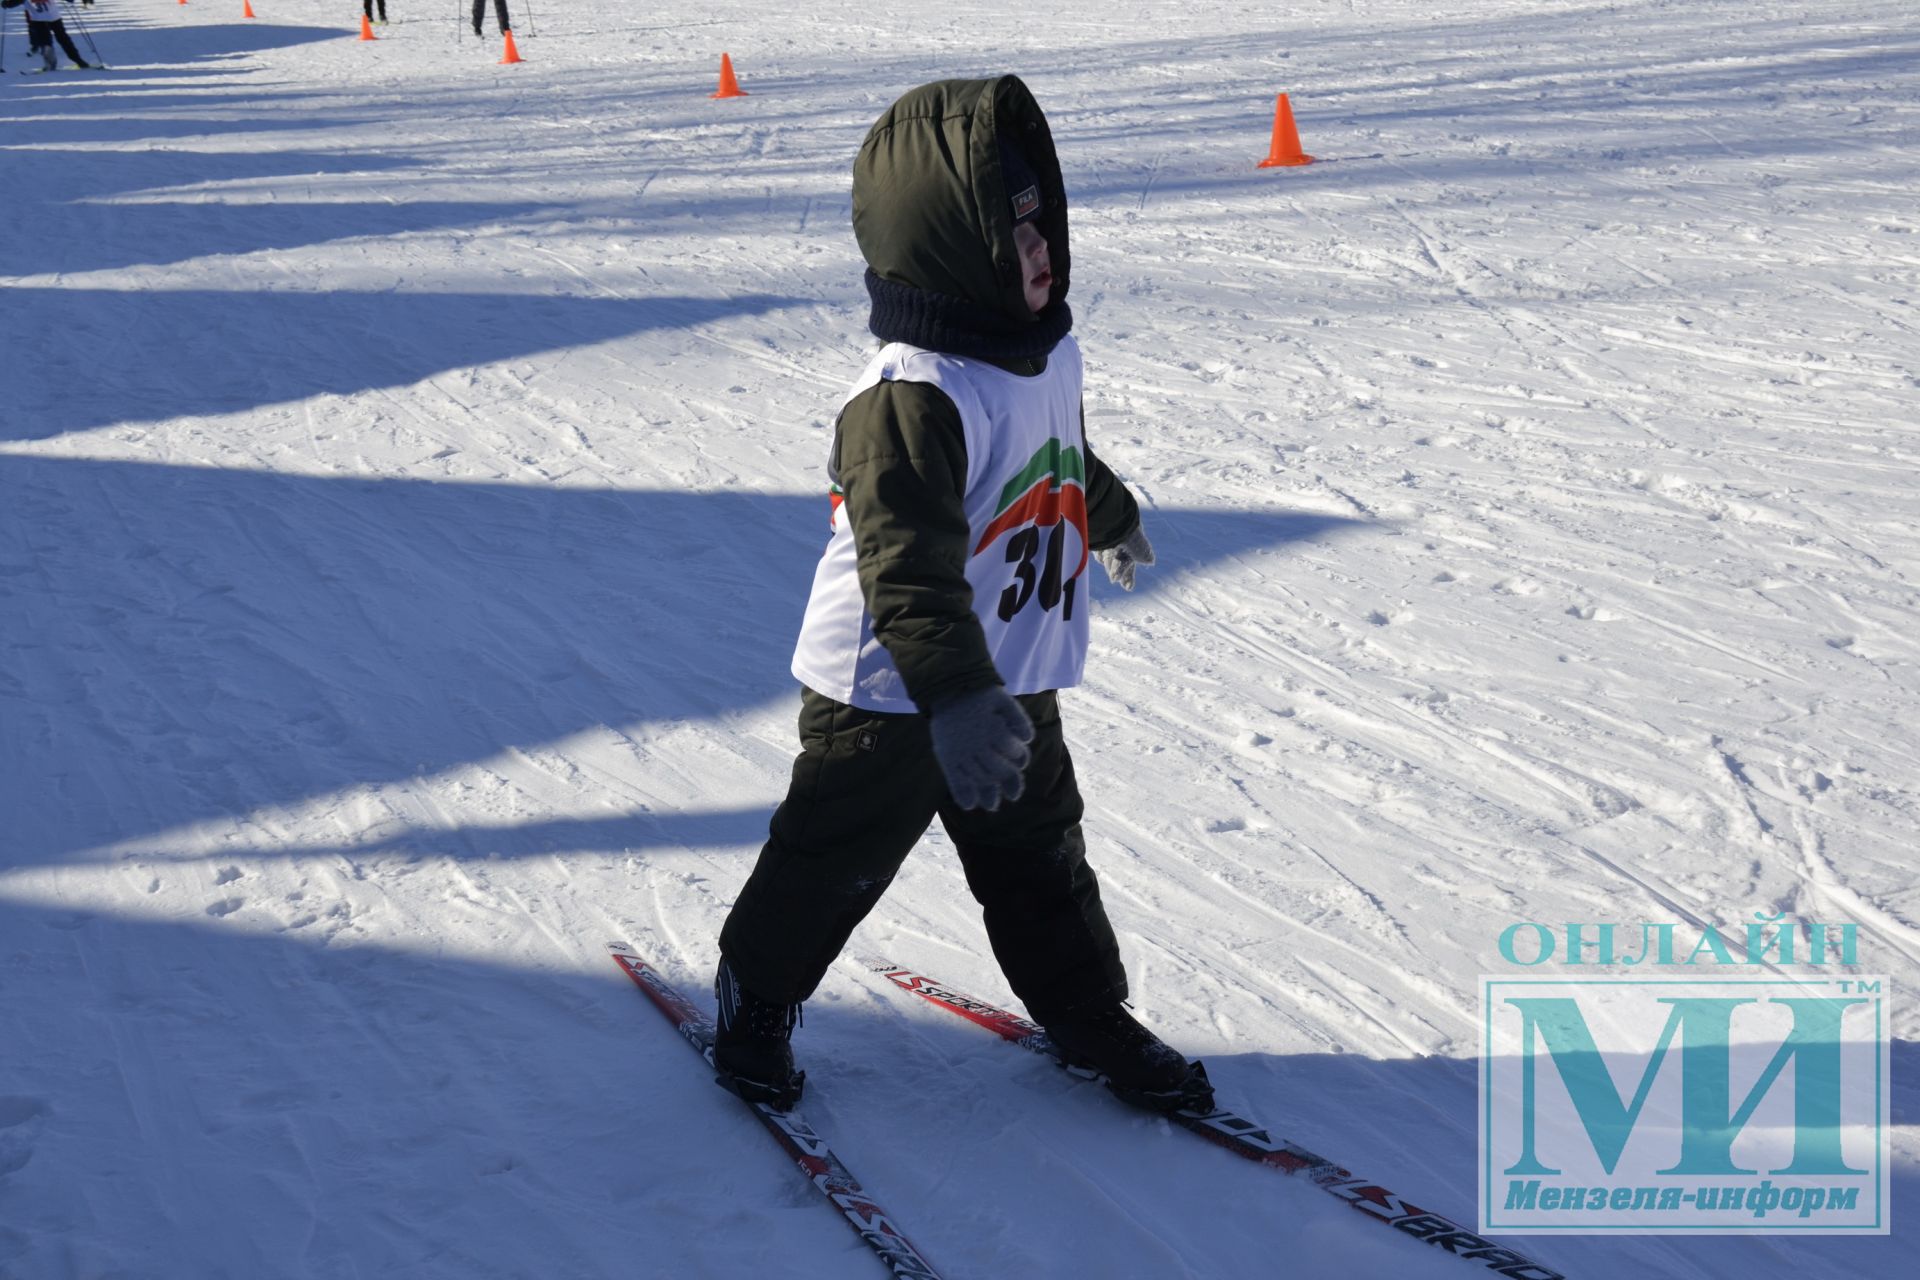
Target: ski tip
626	957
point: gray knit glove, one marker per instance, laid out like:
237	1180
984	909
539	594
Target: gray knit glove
980	740
1120	561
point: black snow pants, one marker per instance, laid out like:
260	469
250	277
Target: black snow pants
41	35
499	12
366	7
865	788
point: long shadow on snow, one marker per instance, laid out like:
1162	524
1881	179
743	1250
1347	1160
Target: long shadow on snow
158	233
308	1102
58	176
130	46
190	643
626	833
1189	540
64	131
156	87
90	236
301	1103
78	186
145	356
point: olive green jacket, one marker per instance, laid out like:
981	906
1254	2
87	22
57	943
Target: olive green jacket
930	212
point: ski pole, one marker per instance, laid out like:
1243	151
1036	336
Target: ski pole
86	33
533	27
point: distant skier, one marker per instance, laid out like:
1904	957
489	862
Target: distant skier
367	7
950	605
499	14
44	26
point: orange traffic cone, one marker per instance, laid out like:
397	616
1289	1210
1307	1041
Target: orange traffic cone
246	8
1286	139
729	87
366	29
513	54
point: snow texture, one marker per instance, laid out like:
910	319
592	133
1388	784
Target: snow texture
410	474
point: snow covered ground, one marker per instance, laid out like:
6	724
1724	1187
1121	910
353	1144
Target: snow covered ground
410	473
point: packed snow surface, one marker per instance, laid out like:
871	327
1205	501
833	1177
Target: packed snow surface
411	469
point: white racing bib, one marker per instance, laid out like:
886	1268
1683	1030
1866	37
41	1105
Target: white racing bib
1026	508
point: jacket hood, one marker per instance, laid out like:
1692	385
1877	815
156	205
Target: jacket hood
931	205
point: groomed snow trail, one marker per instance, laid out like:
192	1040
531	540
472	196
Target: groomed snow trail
411	471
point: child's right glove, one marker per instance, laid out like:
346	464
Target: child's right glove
1119	561
980	740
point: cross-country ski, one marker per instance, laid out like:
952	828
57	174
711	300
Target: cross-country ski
800	1140
1245	1138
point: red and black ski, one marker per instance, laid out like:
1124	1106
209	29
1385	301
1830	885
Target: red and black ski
801	1141
1250	1140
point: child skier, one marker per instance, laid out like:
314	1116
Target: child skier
950	605
44	26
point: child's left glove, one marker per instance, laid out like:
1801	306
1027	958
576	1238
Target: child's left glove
980	740
1121	560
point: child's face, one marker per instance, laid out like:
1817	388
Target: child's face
1036	266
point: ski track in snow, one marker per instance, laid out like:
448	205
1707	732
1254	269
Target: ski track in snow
409	481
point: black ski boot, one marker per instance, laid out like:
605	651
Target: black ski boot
752	1046
1140	1068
